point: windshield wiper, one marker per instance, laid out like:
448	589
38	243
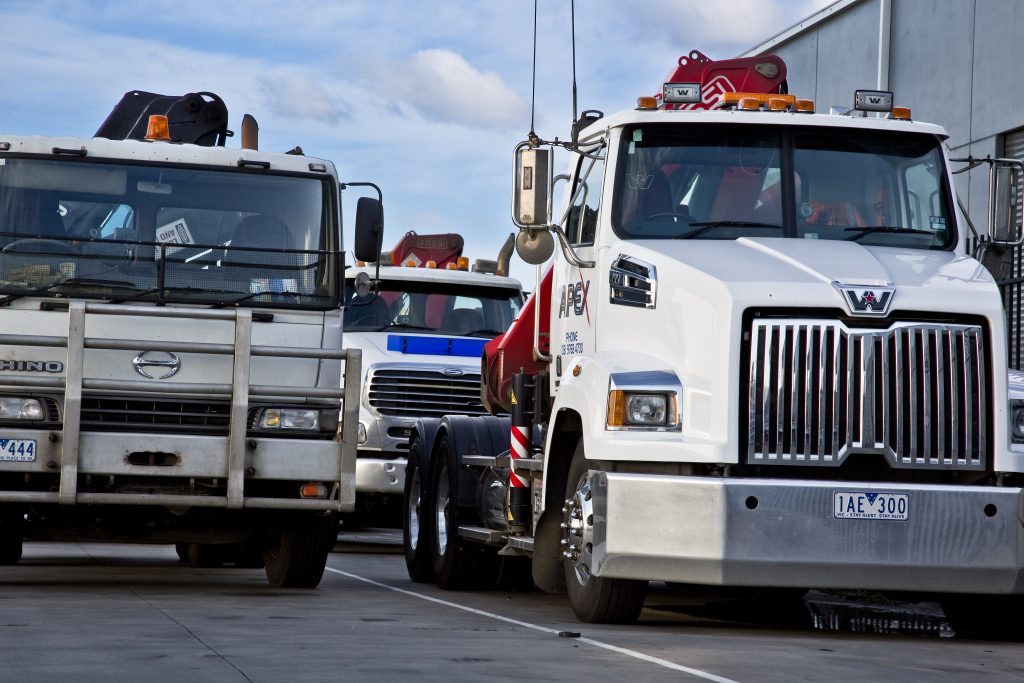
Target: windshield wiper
480	333
87	282
253	295
704	226
862	232
403	326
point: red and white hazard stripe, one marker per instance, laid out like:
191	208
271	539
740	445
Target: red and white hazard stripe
520	449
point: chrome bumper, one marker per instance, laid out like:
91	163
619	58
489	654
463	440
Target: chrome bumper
757	532
376	475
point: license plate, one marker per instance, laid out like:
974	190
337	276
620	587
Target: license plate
871	505
17	450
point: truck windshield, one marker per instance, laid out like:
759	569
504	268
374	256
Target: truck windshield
432	308
711	182
167	234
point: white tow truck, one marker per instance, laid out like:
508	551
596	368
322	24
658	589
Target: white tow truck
421	319
171	342
772	363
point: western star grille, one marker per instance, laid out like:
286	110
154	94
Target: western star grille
819	391
424	393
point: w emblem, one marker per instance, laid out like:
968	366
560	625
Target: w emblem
866	300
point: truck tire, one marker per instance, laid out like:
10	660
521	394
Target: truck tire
416	531
182	550
593	599
12	526
205	555
295	553
985	617
457	564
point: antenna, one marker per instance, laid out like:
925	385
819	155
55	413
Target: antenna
572	20
534	140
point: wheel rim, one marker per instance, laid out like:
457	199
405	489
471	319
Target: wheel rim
441	512
414	509
578	540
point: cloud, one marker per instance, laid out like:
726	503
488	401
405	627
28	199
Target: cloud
442	86
297	95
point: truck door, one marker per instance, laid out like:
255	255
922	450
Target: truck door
574	324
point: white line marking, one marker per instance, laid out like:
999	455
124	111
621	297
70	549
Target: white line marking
543	629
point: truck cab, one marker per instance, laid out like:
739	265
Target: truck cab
172	347
421	326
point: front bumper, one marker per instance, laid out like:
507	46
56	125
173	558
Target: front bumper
378	475
758	532
108	454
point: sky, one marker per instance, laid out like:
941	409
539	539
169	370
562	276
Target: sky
425	98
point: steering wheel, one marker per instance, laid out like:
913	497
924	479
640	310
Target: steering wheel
37	245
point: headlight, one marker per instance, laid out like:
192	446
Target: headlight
289	418
1017	421
641	409
20	408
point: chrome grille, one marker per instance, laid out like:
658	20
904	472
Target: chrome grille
819	391
408	392
103	413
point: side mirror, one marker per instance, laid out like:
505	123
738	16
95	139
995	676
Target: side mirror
369	229
530	194
1004	185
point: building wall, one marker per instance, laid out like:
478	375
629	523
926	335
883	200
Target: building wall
954	62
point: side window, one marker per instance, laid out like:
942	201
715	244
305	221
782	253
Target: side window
582	222
925	211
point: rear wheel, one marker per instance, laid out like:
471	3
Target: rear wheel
416	525
295	552
457	564
593	599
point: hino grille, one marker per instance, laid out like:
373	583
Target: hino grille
409	392
819	391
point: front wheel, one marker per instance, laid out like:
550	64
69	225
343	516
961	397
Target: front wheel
12	527
985	617
593	599
295	552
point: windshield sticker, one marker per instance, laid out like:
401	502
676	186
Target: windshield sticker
640	181
176	232
272	285
638	135
937	222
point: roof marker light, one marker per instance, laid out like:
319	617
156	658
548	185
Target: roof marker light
463	263
778	104
901	113
646	102
430	264
805	106
872	100
680	93
158	129
749	104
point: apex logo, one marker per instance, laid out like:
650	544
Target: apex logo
862	300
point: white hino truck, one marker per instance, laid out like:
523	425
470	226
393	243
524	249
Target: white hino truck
171	341
763	356
420	317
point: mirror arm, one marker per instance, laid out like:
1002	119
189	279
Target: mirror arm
567	251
